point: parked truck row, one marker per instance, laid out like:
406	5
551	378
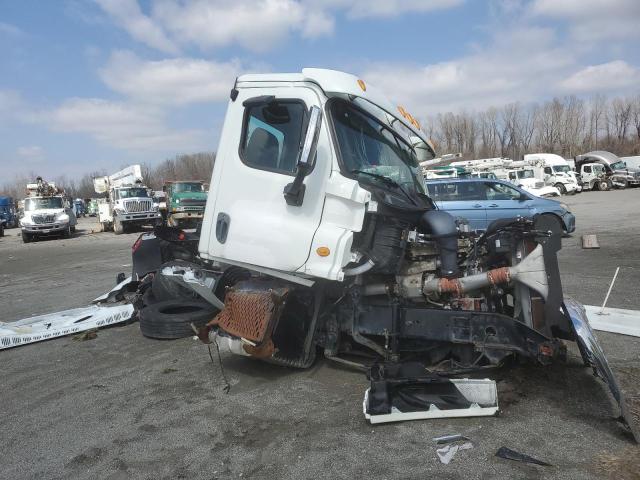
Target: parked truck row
547	174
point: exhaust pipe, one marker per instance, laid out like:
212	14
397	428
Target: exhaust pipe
530	272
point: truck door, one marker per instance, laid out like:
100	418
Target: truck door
257	158
504	201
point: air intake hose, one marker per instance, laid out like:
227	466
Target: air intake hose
442	227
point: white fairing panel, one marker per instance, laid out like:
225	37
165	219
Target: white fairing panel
262	229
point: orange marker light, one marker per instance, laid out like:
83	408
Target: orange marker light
323	251
362	85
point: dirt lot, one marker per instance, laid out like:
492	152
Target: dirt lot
123	406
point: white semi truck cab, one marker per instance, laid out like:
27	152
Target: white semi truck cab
130	202
318	238
46	212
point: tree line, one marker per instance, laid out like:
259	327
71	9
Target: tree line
196	166
566	126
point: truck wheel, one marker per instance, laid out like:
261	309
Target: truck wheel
26	238
170	319
67	232
603	185
73	229
561	188
622	184
118	228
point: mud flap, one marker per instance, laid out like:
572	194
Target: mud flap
593	356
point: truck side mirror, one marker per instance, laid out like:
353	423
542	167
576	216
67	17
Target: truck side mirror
294	191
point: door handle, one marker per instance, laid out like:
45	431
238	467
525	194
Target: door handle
477	205
493	205
222	227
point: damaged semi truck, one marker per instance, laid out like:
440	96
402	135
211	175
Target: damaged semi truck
318	238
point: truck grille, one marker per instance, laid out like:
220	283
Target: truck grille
192	202
539	185
135	206
40	219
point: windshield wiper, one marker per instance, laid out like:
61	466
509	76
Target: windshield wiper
388	181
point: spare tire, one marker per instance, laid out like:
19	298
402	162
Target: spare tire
170	319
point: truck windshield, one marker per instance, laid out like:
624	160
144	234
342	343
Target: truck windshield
132	192
187	187
31	204
561	168
373	152
619	165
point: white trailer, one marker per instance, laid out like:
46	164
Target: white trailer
129	202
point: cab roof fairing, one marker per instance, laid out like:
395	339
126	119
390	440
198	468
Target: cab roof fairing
334	83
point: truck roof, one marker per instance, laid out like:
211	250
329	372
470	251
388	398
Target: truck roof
334	82
549	158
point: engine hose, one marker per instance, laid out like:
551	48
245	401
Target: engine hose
360	269
375	289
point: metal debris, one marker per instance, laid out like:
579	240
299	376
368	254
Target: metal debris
68	322
450	439
447	452
508	454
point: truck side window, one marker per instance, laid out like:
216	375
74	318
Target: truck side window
587	169
548	171
271	136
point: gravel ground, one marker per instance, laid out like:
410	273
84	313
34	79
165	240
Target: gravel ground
123	406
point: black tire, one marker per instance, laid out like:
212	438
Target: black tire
67	232
561	188
171	319
1	231
73	229
603	185
26	238
623	184
552	219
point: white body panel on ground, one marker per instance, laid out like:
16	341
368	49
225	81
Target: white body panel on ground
614	320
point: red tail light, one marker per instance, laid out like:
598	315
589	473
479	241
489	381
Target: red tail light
137	244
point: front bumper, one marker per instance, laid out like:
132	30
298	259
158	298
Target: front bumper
571	187
142	218
45	229
187	215
593	356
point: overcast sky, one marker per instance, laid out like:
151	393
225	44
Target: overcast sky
86	85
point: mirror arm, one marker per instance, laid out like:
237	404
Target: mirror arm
294	191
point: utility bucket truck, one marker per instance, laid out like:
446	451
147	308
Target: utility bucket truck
129	202
47	212
318	238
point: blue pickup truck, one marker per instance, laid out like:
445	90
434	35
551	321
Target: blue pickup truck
8	212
